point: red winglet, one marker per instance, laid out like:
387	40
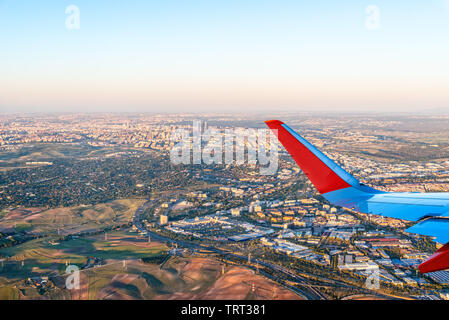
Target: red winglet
273	123
438	261
322	177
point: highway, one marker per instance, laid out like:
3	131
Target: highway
280	274
303	288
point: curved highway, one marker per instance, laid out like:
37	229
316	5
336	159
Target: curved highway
304	290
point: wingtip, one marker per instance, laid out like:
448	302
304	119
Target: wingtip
436	262
274	122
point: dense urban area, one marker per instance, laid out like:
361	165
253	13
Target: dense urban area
101	192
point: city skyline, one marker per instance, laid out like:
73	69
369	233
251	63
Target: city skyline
260	56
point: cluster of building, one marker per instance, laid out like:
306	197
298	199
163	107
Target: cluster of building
295	250
305	213
218	226
146	131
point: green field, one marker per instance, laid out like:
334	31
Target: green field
41	257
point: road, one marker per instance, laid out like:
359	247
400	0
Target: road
280	274
303	288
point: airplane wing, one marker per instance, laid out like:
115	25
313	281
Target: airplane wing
430	211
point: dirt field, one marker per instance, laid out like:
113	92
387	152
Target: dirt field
72	220
180	278
235	283
119	272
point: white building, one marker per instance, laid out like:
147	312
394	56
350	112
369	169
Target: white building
163	220
235	212
359	266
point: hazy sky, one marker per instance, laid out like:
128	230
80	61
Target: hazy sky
233	55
